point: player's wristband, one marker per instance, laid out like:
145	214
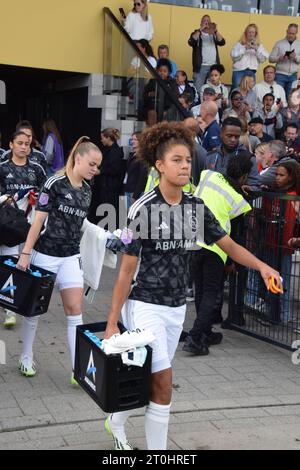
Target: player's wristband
27	254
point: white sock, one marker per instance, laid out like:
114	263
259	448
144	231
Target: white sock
29	327
117	422
156	425
73	321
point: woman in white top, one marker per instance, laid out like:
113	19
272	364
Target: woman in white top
215	82
138	23
247	54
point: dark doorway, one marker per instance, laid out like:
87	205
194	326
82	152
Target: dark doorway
32	94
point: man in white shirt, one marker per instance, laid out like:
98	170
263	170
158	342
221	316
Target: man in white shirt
286	55
268	85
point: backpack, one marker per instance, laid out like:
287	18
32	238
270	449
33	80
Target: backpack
14	226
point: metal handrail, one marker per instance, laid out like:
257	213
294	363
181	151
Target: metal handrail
107	11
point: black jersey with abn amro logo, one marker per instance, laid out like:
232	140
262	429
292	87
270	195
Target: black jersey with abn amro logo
163	239
67	207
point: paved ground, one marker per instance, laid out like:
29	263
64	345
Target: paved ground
244	395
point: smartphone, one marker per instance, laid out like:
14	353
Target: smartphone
278	100
122	13
288	53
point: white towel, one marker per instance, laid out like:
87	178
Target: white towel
127	341
94	255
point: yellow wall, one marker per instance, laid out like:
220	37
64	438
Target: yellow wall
68	34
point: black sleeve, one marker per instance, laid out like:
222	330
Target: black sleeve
192	42
41	177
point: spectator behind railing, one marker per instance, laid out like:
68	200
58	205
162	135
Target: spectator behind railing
291	139
147	51
249	142
268	85
211	131
163	53
261	155
292	112
286	55
214	82
246	89
280	219
238	107
275	157
183	86
247	54
205	42
156	102
256	128
270	115
209	94
138	23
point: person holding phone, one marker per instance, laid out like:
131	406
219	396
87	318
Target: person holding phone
205	42
286	55
138	23
247	55
214	82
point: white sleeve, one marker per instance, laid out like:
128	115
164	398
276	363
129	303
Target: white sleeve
150	29
152	61
262	54
128	23
237	51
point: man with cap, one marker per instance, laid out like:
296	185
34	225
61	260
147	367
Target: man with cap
209	94
256	128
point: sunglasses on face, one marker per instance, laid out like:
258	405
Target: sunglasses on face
137	4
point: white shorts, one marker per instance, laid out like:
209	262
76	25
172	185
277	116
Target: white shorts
68	270
163	321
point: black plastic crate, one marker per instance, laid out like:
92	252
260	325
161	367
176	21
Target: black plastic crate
113	385
22	292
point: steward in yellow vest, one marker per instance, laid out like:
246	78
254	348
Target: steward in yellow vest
224	202
224	197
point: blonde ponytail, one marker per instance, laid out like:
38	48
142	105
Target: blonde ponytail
82	146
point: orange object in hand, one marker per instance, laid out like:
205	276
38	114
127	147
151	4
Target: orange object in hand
273	287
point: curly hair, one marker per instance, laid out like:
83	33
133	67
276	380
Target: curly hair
293	169
155	141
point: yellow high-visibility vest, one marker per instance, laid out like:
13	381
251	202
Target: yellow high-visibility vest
153	181
223	201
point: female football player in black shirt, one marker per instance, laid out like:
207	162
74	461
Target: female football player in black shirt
162	225
18	174
62	206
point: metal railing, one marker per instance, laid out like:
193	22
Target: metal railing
252	308
130	77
